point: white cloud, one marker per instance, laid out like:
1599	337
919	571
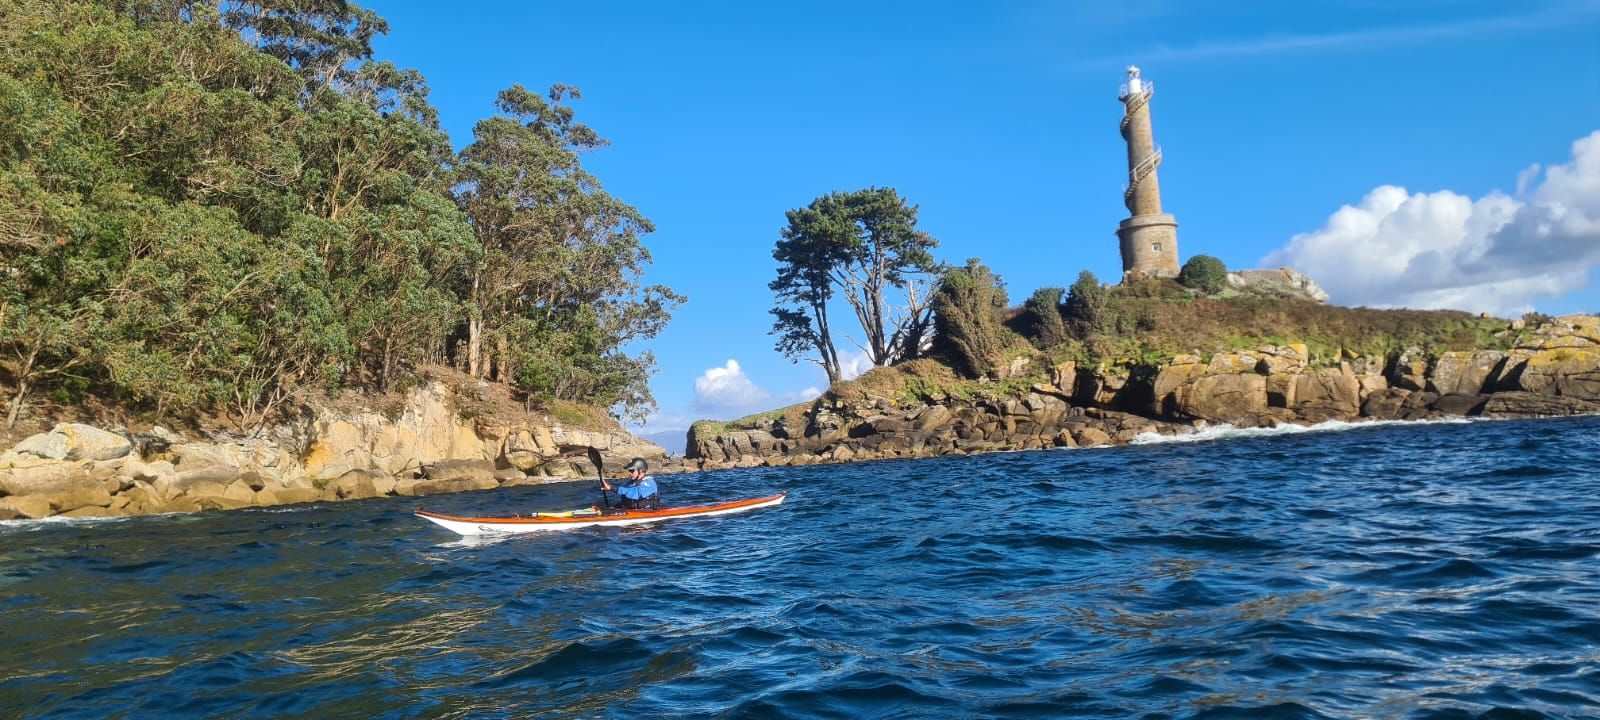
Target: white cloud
1497	254
809	393
853	363
727	391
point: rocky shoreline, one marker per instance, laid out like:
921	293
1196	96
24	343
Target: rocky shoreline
423	445
1551	370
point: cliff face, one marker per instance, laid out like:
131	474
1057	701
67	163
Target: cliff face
432	440
1553	370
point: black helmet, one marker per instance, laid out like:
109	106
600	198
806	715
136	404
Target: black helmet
637	464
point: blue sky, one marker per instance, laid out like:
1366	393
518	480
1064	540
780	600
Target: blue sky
1000	121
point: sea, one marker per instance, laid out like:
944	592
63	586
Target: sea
1370	570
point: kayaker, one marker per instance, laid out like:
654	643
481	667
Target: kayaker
638	492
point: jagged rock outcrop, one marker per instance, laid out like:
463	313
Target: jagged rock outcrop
423	445
1282	281
1553	370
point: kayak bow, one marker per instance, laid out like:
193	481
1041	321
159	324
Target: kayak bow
467	526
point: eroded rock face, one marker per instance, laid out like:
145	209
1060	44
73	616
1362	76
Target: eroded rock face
1222	398
340	455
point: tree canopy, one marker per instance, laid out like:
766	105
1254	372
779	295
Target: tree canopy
863	246
210	207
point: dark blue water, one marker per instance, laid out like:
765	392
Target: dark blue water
1418	571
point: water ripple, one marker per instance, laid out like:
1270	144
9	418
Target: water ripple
1407	570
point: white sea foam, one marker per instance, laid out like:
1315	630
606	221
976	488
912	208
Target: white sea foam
61	520
1228	432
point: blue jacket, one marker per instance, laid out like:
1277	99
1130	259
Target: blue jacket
646	487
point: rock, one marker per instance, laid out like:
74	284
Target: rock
75	441
88	494
241	491
1465	373
353	485
528	448
1233	363
1171	377
218	474
1282	359
1460	404
180	504
1282	281
44	477
1092	437
406	486
196	455
1567	372
1410	371
1065	376
1385	404
1525	404
452	485
1221	398
477	471
253	479
932	418
25	507
1064	439
286	495
1327	393
149	471
92	512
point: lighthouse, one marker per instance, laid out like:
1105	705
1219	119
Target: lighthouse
1149	236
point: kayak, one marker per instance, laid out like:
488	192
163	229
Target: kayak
589	517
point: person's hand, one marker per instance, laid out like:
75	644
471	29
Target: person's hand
605	485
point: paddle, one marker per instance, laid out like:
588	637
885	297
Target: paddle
600	469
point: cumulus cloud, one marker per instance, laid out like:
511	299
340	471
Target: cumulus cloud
1498	253
853	363
727	391
809	393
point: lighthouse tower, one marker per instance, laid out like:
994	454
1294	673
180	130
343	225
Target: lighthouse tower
1149	236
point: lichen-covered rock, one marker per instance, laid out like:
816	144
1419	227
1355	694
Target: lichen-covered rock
1465	373
1410	371
1566	372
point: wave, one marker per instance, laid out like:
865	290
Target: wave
32	524
1229	432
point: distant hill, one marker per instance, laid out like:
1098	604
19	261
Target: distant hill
675	441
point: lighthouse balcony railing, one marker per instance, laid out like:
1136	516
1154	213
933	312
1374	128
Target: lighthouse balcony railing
1145	87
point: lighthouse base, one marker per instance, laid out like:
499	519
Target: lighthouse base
1149	246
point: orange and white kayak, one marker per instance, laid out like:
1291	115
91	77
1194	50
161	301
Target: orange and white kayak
467	526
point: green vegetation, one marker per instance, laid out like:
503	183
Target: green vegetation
861	245
215	207
966	312
1086	306
1043	312
1204	273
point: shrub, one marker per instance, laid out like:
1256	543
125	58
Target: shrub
1204	273
1088	306
1045	326
966	318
